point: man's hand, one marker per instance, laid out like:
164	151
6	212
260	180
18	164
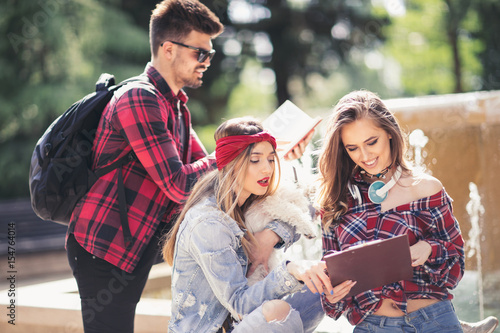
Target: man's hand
299	149
266	240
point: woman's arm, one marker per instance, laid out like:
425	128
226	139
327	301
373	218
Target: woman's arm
445	263
332	307
313	274
217	250
276	234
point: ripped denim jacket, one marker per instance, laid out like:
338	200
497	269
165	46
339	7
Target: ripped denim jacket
208	278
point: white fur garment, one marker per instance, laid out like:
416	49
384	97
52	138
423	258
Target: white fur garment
289	204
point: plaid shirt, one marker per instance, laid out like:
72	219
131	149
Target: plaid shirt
143	117
430	219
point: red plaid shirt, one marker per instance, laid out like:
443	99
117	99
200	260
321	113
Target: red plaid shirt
143	117
430	219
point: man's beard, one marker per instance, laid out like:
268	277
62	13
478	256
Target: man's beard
194	82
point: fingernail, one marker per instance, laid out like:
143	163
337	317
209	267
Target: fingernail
331	292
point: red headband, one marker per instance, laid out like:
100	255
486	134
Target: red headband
228	147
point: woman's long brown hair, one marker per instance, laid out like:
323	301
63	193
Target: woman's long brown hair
334	163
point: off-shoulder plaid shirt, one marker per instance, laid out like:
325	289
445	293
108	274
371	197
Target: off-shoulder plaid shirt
430	219
145	118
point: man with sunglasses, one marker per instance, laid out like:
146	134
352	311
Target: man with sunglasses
148	117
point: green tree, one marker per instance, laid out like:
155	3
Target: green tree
52	56
434	46
454	17
488	12
299	38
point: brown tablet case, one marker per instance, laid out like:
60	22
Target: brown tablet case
372	264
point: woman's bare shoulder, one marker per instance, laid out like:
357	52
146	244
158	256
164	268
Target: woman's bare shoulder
425	185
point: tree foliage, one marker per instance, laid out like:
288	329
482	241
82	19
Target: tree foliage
296	39
435	45
52	56
488	12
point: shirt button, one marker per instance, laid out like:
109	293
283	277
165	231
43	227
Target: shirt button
287	283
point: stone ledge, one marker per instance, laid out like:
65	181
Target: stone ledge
54	307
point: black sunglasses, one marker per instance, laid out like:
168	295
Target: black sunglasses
203	54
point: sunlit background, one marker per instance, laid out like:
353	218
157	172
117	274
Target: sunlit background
429	58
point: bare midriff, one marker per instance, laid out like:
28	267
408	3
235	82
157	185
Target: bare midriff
390	309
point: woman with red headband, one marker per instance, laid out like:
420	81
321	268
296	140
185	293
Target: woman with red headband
209	246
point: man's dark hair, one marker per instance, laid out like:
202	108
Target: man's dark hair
175	19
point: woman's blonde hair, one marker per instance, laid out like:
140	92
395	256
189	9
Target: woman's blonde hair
226	185
334	163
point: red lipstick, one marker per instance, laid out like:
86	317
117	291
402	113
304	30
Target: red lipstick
264	182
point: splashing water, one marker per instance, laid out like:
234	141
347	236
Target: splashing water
418	140
475	210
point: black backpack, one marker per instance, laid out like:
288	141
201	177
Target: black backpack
60	173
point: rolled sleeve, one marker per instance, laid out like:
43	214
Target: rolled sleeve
285	231
445	265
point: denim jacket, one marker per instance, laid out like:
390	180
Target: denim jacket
208	278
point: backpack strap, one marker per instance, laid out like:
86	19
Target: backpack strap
104	82
127	235
122	201
116	164
109	83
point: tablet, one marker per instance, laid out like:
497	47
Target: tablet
372	264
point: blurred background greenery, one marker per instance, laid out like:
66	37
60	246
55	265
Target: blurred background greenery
309	51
